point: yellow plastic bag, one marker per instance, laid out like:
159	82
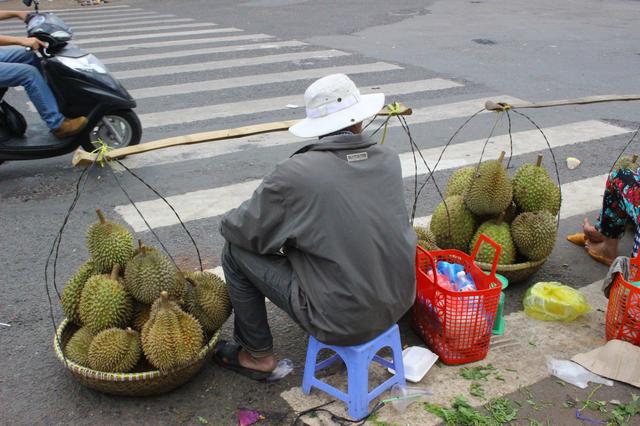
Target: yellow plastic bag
552	301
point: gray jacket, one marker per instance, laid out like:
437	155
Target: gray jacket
337	210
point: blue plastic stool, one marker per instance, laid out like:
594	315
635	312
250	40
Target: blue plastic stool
357	360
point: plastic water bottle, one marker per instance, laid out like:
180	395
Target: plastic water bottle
464	282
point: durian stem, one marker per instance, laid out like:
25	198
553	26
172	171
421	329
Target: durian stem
501	158
103	220
140	245
500	218
539	160
634	159
115	271
164	296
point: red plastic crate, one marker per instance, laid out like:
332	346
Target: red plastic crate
456	325
623	311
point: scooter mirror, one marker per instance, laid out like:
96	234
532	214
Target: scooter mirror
27	2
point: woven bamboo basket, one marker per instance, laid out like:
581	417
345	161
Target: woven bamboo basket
131	384
516	272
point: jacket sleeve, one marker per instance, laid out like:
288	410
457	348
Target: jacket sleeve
258	224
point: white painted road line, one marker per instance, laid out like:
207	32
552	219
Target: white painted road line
210	112
210	150
139	24
578	198
174	43
136	16
205	51
256	80
121	6
229	63
214	202
159	35
139	28
466	153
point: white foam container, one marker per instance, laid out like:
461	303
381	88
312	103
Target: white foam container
417	361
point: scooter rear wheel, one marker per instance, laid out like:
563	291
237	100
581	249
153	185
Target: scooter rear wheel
116	129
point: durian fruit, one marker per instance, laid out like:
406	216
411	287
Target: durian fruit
533	190
115	350
72	291
109	243
498	231
171	338
148	273
453	224
207	299
459	181
141	314
426	239
626	162
490	191
105	303
77	348
534	234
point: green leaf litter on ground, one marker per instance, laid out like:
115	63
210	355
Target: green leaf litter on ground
502	410
621	415
460	413
480	372
476	389
203	420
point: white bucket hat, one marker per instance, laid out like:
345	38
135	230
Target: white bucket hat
333	103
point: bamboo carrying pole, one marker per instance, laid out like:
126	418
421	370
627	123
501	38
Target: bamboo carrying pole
83	158
501	106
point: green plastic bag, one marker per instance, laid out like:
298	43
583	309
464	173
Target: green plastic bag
553	301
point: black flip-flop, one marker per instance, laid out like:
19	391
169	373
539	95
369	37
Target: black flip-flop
226	355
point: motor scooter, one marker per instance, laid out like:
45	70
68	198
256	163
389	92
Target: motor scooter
82	86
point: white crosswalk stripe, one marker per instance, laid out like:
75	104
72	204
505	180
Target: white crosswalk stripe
114	27
229	63
158	35
175	43
205	51
206	203
254	80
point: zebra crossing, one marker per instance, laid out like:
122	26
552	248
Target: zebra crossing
187	74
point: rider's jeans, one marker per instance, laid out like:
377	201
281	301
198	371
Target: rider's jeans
19	67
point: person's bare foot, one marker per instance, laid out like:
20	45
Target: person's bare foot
607	248
591	232
266	364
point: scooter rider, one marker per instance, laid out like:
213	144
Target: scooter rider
20	67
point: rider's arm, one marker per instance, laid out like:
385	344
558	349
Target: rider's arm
31	42
8	14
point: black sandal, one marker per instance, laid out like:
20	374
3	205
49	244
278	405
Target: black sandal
226	355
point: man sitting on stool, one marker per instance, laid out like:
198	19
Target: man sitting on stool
326	236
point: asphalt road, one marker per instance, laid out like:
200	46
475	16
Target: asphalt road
443	58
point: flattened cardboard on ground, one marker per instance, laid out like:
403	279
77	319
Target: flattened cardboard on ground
617	360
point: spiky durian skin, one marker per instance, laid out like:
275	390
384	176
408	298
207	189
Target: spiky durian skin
461	220
501	234
148	273
426	239
141	314
533	190
72	292
208	300
77	348
105	304
109	244
534	234
114	350
459	181
171	338
490	191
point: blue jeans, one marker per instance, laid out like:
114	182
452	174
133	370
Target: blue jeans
250	278
19	67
